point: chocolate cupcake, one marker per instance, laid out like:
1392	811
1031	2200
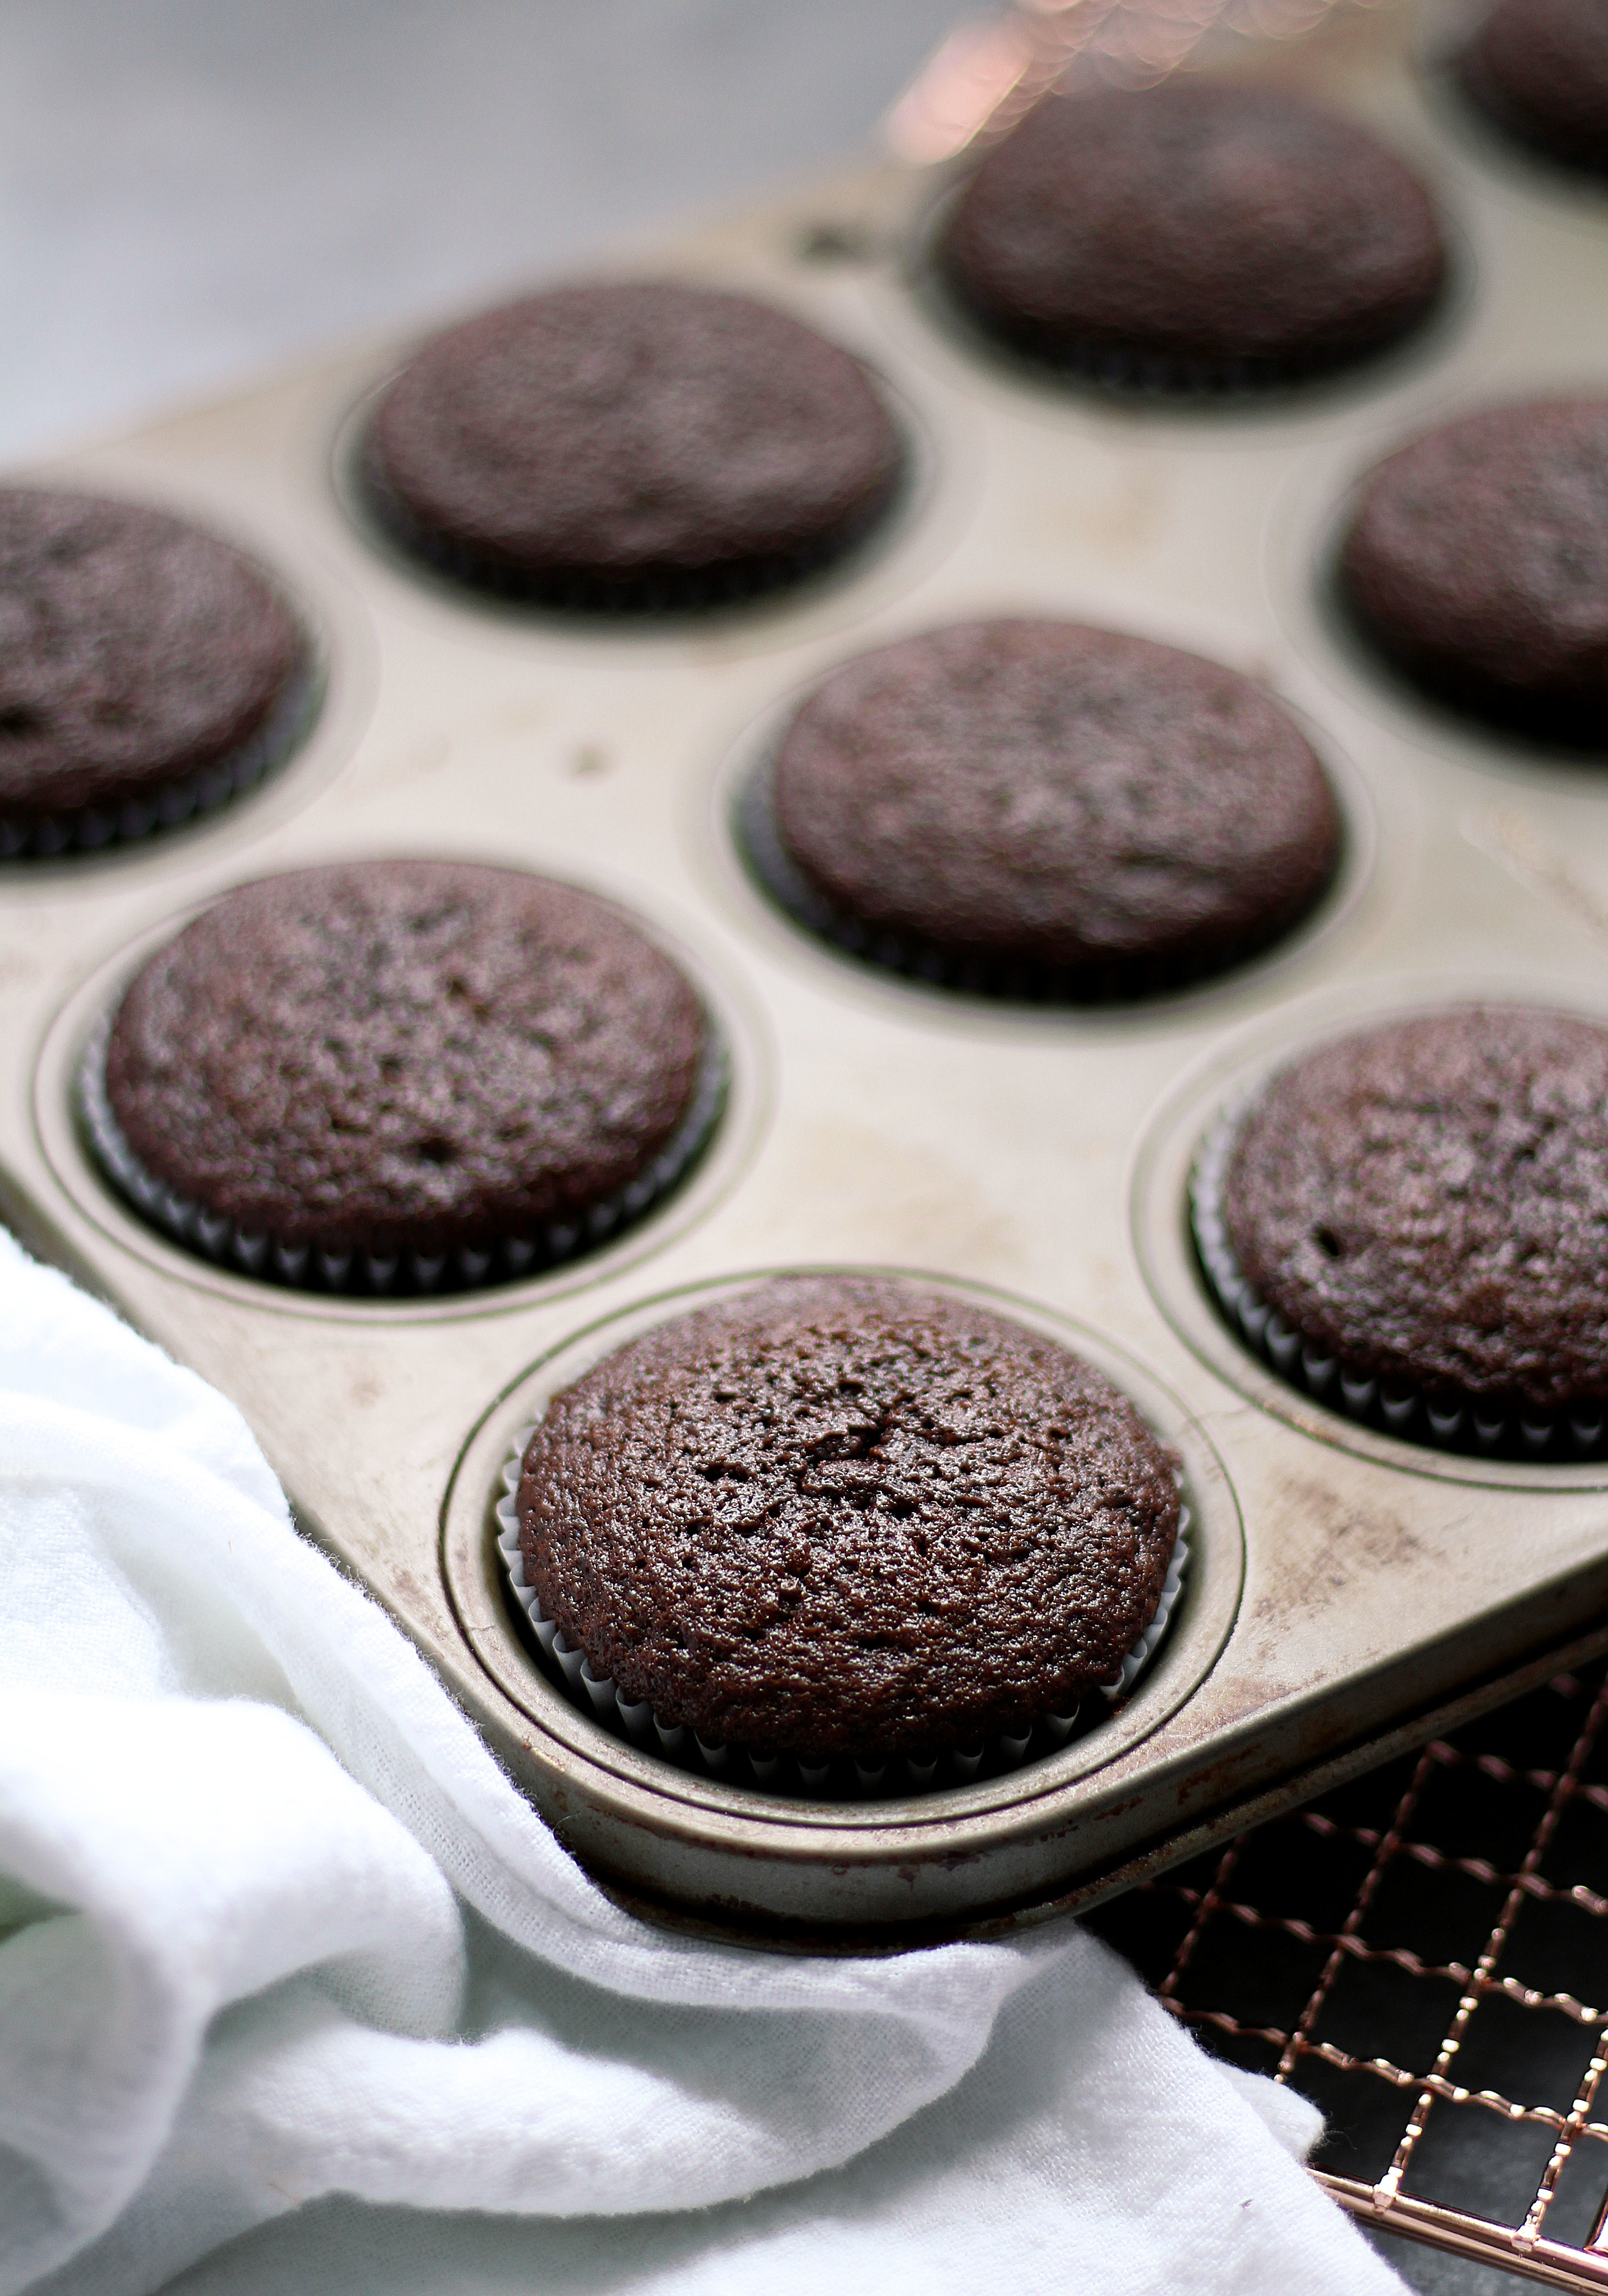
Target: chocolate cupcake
1195	236
148	671
847	1516
636	445
1044	810
400	1074
1413	1223
1477	564
1539	69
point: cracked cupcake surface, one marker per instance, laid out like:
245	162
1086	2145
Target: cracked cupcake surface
845	1513
1427	1202
404	1056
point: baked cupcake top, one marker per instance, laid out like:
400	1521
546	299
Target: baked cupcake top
1540	68
1210	227
1427	1201
1477	561
601	438
1105	814
404	1056
847	1513
136	652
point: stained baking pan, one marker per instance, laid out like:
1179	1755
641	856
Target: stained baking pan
1343	1585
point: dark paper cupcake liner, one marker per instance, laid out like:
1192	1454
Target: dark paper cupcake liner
93	828
365	1275
1125	981
586	592
1175	379
1172	378
1465	1424
838	1777
1178	381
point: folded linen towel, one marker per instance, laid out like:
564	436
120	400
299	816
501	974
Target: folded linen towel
274	1927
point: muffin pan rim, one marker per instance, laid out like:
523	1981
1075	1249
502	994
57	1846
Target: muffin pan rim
1197	1632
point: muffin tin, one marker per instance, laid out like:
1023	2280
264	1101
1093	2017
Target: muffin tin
1346	1590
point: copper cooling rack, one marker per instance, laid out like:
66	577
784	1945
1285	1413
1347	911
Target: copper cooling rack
1424	1954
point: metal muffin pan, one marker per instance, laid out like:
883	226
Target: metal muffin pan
854	1863
1347	1592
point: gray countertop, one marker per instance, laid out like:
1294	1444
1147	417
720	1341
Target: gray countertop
194	191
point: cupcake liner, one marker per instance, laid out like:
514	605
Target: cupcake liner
1174	378
92	828
1399	1409
838	1777
577	590
366	1274
1122	981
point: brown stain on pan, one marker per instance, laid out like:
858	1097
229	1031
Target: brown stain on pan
1330	1545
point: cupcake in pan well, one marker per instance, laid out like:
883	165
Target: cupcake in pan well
1476	562
636	445
1412	1222
1044	810
848	1518
148	671
1539	69
402	1074
1195	236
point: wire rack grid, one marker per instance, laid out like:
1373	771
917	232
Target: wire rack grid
1424	1954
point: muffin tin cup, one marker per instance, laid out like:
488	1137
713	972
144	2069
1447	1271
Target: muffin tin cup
302	1266
1123	981
1397	1408
631	598
170	805
1174	382
841	1776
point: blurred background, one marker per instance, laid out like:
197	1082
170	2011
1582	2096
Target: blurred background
194	191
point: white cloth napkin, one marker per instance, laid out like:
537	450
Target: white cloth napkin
275	1930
